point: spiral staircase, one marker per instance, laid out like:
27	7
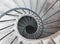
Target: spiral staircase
29	21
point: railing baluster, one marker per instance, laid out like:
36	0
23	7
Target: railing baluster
49	8
7	35
42	7
6	27
51	15
52	22
8	20
13	40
